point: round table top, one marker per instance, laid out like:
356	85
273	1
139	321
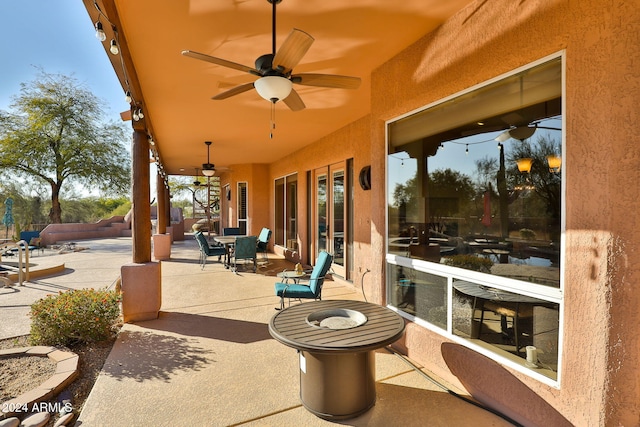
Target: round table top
382	327
290	274
226	240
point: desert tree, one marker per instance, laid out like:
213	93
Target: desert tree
56	133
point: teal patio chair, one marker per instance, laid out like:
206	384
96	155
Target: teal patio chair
263	243
231	231
245	249
312	290
207	250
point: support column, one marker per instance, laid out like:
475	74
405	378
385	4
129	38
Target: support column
162	205
168	212
161	240
141	280
141	207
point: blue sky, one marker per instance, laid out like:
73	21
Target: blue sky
58	37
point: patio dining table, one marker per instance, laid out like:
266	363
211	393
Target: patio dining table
227	242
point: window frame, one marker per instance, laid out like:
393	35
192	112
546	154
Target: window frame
553	295
285	220
243	196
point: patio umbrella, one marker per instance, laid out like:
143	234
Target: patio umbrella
7	219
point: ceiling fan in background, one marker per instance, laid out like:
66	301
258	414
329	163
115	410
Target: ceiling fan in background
523	132
275	70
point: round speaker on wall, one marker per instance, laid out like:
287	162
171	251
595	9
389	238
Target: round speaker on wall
365	178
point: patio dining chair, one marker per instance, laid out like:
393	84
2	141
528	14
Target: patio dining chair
312	290
245	249
231	231
263	242
207	250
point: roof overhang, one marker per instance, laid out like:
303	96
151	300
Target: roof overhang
174	91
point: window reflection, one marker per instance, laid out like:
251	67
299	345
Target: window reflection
482	195
475	183
508	323
421	294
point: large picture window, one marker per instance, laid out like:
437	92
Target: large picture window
474	195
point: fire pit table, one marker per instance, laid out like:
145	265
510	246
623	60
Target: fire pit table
336	342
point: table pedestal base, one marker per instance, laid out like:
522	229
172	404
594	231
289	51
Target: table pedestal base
337	386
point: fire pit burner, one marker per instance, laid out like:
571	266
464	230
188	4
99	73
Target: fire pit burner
339	318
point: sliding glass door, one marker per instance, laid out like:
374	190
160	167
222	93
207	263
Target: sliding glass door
330	214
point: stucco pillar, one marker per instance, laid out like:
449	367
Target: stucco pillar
161	212
141	280
161	240
168	212
141	291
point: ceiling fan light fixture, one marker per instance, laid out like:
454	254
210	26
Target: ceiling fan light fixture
273	88
208	169
522	132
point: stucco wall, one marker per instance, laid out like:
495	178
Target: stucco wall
258	186
350	142
600	376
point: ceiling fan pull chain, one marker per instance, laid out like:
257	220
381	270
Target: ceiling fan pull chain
272	124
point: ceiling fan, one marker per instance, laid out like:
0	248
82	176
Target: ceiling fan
275	82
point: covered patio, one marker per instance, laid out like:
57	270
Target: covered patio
320	176
209	360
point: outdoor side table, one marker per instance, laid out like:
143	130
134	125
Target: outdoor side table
336	341
290	274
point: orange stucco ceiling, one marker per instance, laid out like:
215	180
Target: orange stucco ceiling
351	38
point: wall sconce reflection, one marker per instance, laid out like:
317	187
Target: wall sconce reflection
524	165
555	163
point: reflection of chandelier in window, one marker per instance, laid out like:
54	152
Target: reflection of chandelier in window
524	165
555	162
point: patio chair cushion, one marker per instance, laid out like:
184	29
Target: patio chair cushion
263	239
311	291
289	290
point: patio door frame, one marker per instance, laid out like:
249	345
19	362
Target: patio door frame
330	229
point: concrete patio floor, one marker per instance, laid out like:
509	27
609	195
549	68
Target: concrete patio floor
208	360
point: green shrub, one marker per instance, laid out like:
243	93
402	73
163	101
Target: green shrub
470	262
74	317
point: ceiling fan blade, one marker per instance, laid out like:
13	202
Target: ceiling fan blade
326	80
294	102
292	50
234	91
219	61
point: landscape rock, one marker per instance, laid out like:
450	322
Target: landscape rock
10	422
64	420
38	419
